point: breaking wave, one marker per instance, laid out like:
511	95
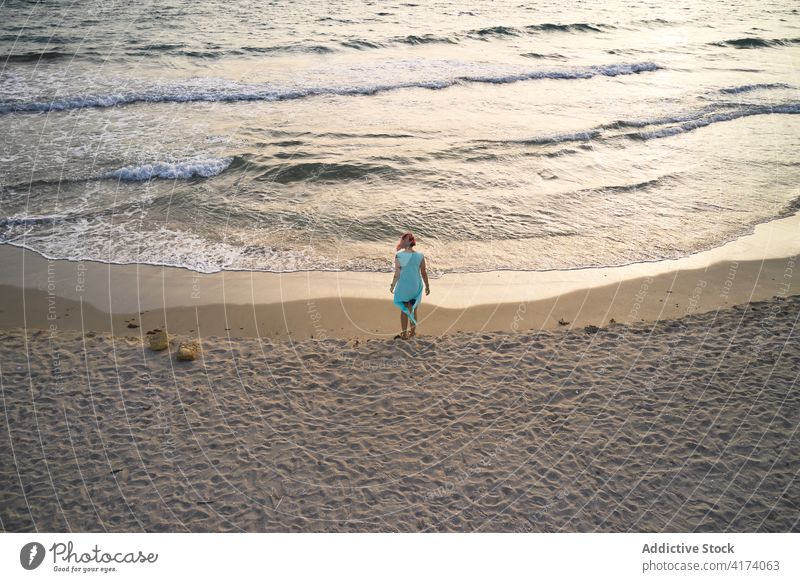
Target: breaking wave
237	92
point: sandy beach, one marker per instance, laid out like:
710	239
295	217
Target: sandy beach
683	425
653	397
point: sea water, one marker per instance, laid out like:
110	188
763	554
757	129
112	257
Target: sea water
294	135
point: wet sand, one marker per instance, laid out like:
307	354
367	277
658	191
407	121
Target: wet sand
132	299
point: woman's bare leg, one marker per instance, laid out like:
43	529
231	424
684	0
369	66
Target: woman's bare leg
403	323
413	325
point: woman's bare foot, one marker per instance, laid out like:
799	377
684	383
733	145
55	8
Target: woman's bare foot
402	335
413	333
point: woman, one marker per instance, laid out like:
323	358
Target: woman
407	284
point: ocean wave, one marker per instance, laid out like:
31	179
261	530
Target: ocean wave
793	207
163	170
495	31
654	128
178	50
486	33
257	167
563	137
578	73
74	48
361	44
34	56
558	138
236	92
650	21
289	48
27	220
704	119
414	39
321	172
574	27
754	87
243	51
87	238
501	31
543	56
337	20
184	170
757	42
640	186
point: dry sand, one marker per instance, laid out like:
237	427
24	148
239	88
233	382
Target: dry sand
682	425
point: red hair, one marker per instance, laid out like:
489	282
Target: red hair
407	240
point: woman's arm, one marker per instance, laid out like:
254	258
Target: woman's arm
396	275
424	272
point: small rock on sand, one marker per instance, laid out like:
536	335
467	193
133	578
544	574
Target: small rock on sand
158	340
188	351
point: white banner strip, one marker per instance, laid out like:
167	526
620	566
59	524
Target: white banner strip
379	557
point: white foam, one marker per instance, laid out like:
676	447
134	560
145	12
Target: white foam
216	90
754	87
204	168
687	123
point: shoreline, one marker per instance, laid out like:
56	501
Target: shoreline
42	293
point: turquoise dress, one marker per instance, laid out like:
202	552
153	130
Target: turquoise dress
409	285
